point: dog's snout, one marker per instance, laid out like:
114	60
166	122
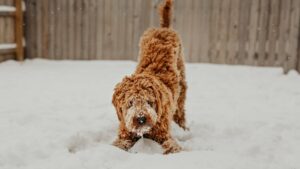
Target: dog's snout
141	120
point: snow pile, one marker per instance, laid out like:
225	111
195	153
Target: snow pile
8	46
4	8
59	115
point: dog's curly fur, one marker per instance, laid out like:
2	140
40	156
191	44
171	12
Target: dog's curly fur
156	90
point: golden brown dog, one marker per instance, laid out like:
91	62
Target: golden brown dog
147	101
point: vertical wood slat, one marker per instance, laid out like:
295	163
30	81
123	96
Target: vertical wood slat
100	30
52	13
273	32
30	32
223	32
204	44
253	33
283	31
19	30
128	28
45	28
293	36
77	31
122	30
64	29
85	29
107	44
70	32
233	32
136	24
178	20
39	22
92	29
194	26
115	29
243	31
214	20
262	34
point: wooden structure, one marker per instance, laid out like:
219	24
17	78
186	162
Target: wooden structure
11	18
247	32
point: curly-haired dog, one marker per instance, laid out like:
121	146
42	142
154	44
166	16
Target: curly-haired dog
147	101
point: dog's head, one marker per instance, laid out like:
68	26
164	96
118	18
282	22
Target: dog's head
138	101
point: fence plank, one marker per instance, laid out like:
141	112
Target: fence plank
195	40
263	32
283	31
214	38
64	29
243	31
253	32
223	32
273	32
107	45
100	30
39	23
293	37
71	30
45	28
233	31
52	13
85	29
129	32
31	43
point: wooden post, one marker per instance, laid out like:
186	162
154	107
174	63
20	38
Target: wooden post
19	30
298	53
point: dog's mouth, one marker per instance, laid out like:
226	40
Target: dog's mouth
140	131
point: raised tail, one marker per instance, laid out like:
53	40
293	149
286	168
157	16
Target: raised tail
165	13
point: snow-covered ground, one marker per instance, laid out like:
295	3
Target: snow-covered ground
240	117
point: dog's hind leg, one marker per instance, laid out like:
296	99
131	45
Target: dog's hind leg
179	116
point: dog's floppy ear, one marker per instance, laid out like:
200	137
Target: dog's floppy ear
160	98
119	97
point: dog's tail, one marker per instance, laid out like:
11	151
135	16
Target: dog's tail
165	14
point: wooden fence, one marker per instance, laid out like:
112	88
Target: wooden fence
6	31
251	32
11	30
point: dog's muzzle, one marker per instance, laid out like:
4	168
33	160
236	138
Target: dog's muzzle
141	120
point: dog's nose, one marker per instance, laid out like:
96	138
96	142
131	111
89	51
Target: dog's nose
141	120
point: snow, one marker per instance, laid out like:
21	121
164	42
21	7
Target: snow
58	114
8	46
4	8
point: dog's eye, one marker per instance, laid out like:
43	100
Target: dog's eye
150	103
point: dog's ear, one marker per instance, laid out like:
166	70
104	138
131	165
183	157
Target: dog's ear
160	98
118	98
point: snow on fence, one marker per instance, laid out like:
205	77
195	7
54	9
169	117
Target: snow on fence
251	32
11	29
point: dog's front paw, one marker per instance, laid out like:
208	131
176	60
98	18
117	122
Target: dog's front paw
173	149
123	144
171	146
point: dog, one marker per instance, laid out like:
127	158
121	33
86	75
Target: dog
147	101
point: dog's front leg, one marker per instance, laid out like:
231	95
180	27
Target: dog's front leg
171	146
168	144
125	142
